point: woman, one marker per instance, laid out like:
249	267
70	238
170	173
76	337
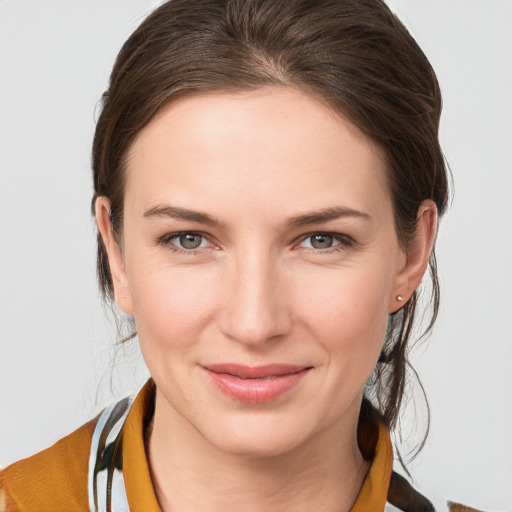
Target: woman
268	182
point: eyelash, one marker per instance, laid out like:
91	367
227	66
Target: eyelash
166	241
344	242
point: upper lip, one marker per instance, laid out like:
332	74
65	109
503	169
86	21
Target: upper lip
255	372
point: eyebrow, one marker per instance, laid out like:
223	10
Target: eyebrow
182	214
326	215
316	217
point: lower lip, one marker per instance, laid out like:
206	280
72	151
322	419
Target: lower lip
256	391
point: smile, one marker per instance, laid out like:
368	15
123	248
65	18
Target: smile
255	385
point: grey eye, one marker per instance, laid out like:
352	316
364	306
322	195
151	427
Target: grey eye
190	241
321	241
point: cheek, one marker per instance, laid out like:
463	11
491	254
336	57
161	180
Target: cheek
171	305
349	298
347	313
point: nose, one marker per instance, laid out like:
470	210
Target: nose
256	308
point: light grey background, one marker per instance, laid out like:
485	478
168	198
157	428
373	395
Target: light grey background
56	344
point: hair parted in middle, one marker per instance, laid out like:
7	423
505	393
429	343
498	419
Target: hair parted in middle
354	55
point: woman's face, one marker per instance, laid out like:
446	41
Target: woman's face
260	260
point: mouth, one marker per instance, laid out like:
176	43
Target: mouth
255	384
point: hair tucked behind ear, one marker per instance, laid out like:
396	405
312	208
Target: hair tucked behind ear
355	55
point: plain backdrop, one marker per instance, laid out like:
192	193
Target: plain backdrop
57	345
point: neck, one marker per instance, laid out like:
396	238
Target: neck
323	474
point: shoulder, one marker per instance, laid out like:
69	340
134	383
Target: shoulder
403	497
54	479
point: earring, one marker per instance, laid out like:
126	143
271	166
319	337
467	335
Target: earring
399	298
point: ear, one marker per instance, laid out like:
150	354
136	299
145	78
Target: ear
417	256
115	258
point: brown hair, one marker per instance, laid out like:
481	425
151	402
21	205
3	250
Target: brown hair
354	55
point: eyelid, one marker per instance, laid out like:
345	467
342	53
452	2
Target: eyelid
344	241
166	241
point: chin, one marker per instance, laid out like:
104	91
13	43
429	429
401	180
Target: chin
258	437
264	447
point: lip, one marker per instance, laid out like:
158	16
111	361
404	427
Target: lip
255	384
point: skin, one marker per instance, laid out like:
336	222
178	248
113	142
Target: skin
256	291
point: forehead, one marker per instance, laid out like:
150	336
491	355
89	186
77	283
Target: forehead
275	144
